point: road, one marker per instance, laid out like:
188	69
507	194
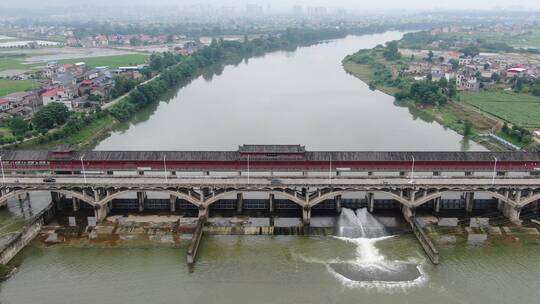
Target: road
265	182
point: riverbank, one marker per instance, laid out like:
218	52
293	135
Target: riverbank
452	114
214	57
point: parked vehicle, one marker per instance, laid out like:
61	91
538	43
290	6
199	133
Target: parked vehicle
49	180
276	181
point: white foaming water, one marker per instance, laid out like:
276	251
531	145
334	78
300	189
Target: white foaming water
370	269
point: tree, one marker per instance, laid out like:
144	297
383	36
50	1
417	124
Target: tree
443	83
505	128
451	91
454	63
519	83
134	41
430	56
467	127
495	77
93	97
391	51
18	126
536	91
471	51
51	115
428	93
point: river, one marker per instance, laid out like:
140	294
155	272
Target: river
301	97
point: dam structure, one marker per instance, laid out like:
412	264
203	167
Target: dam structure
288	175
287	180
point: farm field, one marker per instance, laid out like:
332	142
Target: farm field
110	61
13	63
518	109
12	86
18	62
530	39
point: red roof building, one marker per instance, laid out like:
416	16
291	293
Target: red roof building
4	104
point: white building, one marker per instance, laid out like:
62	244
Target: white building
60	95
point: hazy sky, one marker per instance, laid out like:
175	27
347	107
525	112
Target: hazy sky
285	4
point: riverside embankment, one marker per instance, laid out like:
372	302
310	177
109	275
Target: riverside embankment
387	75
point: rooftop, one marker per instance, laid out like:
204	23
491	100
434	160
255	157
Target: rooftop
51	92
272	149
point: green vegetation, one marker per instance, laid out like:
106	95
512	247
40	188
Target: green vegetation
425	92
218	53
374	68
391	51
467	128
84	129
383	66
4	271
83	133
517	135
50	116
524	40
447	41
517	109
122	85
110	61
468	113
12	86
14	62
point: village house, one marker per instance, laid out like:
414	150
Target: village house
23	112
100	86
516	72
66	80
466	80
418	68
21	99
4	117
50	70
465	60
437	74
57	94
4	105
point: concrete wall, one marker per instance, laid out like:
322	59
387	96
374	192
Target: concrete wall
29	232
18	242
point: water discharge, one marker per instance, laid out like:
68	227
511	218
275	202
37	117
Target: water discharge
370	268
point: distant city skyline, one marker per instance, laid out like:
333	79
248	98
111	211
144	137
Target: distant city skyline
288	5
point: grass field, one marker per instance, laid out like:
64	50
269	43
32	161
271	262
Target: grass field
110	61
364	73
16	63
12	86
518	109
13	63
526	40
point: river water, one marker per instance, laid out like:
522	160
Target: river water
301	97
